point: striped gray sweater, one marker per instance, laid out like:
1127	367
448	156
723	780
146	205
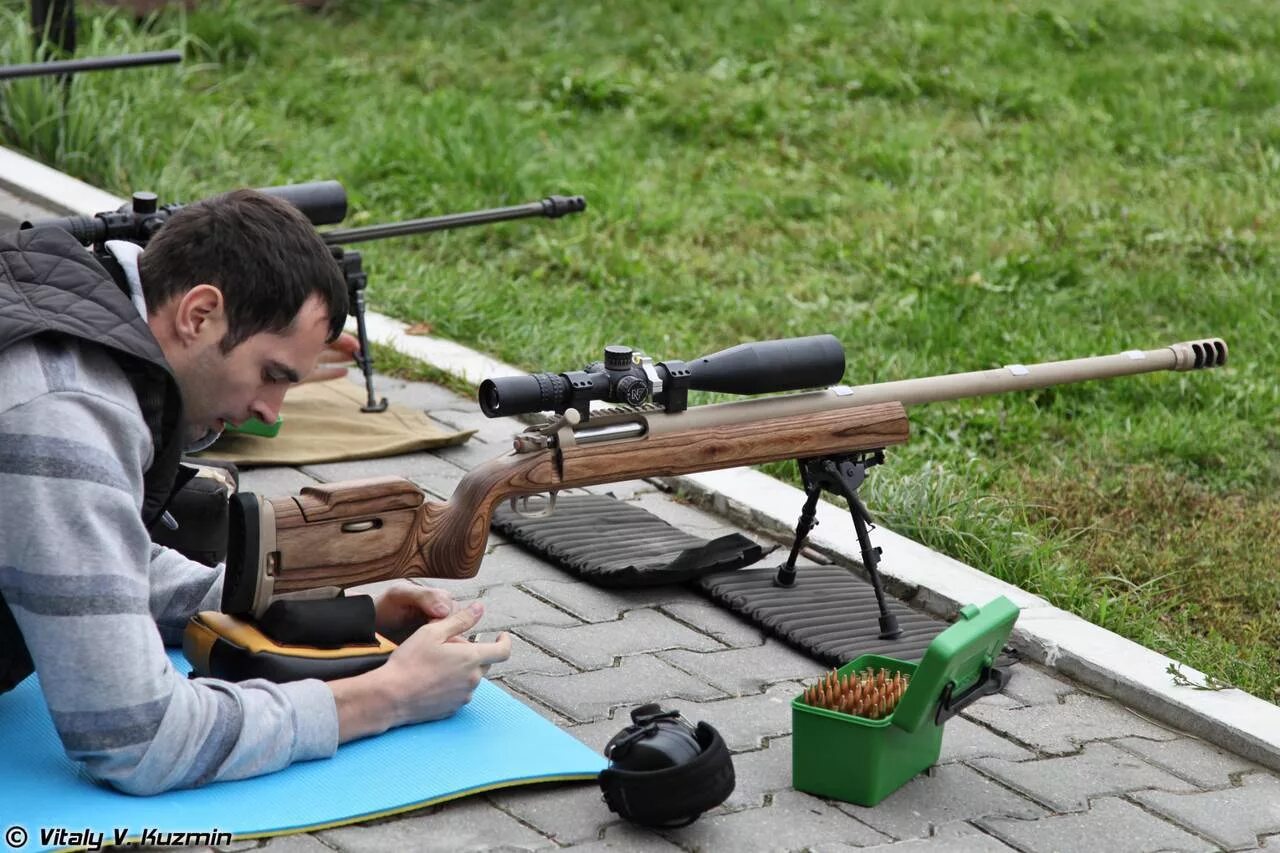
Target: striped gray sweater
96	601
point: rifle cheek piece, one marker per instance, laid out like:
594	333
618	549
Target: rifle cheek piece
664	772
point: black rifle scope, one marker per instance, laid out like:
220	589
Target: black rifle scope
630	378
322	202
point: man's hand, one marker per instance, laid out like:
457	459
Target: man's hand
335	359
403	608
430	676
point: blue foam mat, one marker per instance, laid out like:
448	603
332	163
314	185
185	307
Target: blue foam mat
494	741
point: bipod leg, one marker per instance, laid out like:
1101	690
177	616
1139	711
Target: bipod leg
786	576
353	269
843	476
365	359
889	629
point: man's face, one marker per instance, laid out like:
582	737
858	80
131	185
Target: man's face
250	381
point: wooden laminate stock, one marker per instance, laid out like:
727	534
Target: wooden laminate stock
347	534
358	497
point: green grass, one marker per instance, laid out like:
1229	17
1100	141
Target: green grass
943	185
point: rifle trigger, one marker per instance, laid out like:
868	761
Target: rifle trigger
532	506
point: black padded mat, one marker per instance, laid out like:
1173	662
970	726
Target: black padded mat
829	613
616	544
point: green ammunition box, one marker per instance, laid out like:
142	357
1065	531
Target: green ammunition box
862	761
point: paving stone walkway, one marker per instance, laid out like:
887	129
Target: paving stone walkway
1044	766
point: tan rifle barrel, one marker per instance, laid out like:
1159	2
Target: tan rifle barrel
1189	355
622	425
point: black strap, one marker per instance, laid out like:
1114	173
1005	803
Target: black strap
674	796
15	659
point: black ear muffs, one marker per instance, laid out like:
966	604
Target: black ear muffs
664	772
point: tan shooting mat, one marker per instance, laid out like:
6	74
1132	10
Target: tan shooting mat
323	423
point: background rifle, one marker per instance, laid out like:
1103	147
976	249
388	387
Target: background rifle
323	203
345	534
54	27
96	63
552	207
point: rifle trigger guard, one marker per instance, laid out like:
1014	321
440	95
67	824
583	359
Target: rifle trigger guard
521	506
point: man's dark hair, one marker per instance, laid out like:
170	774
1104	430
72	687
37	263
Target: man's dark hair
260	251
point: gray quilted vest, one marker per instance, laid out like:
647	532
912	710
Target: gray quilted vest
50	284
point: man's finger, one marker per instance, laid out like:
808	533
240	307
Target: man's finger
459	622
333	356
495	652
346	343
324	374
436	603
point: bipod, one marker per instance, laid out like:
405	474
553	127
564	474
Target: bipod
353	271
840	475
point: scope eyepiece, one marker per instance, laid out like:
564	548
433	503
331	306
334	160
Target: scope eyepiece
517	395
628	378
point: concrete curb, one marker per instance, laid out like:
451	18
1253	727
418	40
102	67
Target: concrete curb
63	195
1096	657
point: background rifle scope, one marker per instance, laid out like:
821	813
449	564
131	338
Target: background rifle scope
629	378
322	202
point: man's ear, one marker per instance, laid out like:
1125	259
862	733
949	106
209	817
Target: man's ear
200	314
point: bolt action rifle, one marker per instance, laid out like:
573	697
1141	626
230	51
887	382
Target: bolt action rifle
323	203
333	536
